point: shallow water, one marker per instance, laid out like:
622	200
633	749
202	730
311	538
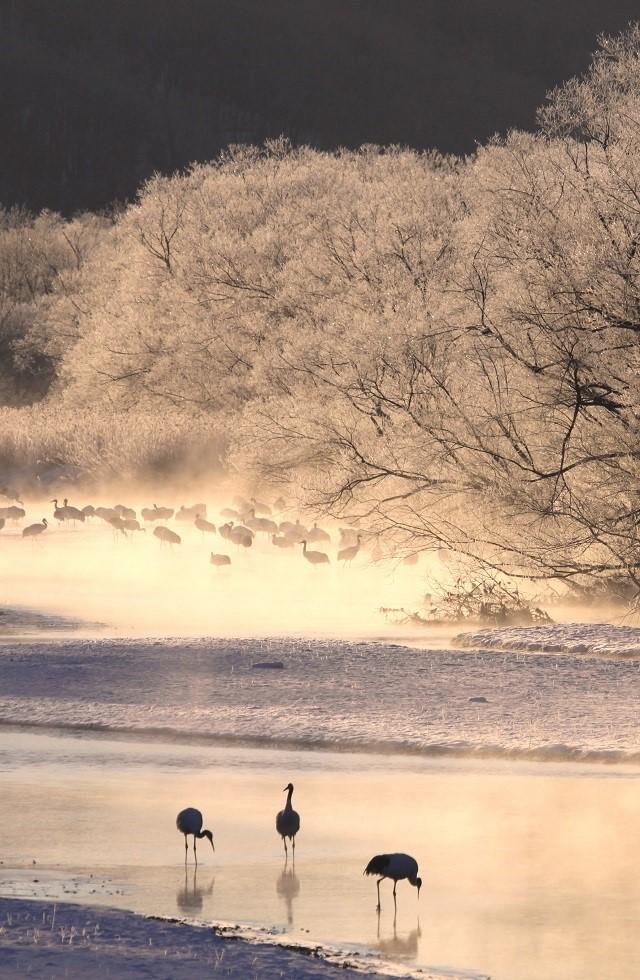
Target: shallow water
531	872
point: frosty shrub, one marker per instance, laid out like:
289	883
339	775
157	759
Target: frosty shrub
477	598
444	352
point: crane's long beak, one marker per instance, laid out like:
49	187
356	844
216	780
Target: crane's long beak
285	789
212	844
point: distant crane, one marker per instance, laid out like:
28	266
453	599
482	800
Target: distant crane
190	513
72	513
288	821
204	526
396	867
314	557
283	541
166	534
34	529
189	821
157	514
106	513
10	494
241	536
261	524
348	554
12	513
317	534
347	537
219	560
117	523
260	508
58	512
132	524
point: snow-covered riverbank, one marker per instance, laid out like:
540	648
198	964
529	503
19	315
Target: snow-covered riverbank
573	639
78	942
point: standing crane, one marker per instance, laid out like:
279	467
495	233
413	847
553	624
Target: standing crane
34	529
188	822
348	554
396	867
204	526
288	821
314	557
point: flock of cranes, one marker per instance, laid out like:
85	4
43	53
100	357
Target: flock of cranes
395	867
244	523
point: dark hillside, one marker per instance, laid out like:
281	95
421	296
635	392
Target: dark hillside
98	95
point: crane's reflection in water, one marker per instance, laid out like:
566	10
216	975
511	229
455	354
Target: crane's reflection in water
288	887
402	946
191	895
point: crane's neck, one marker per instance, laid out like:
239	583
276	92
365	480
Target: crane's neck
289	795
207	834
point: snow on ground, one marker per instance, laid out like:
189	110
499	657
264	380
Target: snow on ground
330	693
38	939
578	639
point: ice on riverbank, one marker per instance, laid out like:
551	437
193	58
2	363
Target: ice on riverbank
40	939
576	639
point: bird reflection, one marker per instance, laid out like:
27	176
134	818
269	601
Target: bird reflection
190	898
288	887
400	946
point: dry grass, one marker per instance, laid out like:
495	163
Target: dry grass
43	444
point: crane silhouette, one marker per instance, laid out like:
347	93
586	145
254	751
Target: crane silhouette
288	821
188	822
397	867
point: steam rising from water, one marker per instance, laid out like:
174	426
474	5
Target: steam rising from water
136	586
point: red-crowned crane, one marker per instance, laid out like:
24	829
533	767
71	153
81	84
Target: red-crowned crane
189	821
396	867
282	541
288	821
260	508
166	534
34	529
12	513
204	526
314	557
348	554
219	560
72	513
126	513
318	534
157	513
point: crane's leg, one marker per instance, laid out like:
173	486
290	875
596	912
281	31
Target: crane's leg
395	904
378	906
293	844
195	856
186	850
284	841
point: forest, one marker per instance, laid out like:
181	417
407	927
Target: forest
99	94
441	349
